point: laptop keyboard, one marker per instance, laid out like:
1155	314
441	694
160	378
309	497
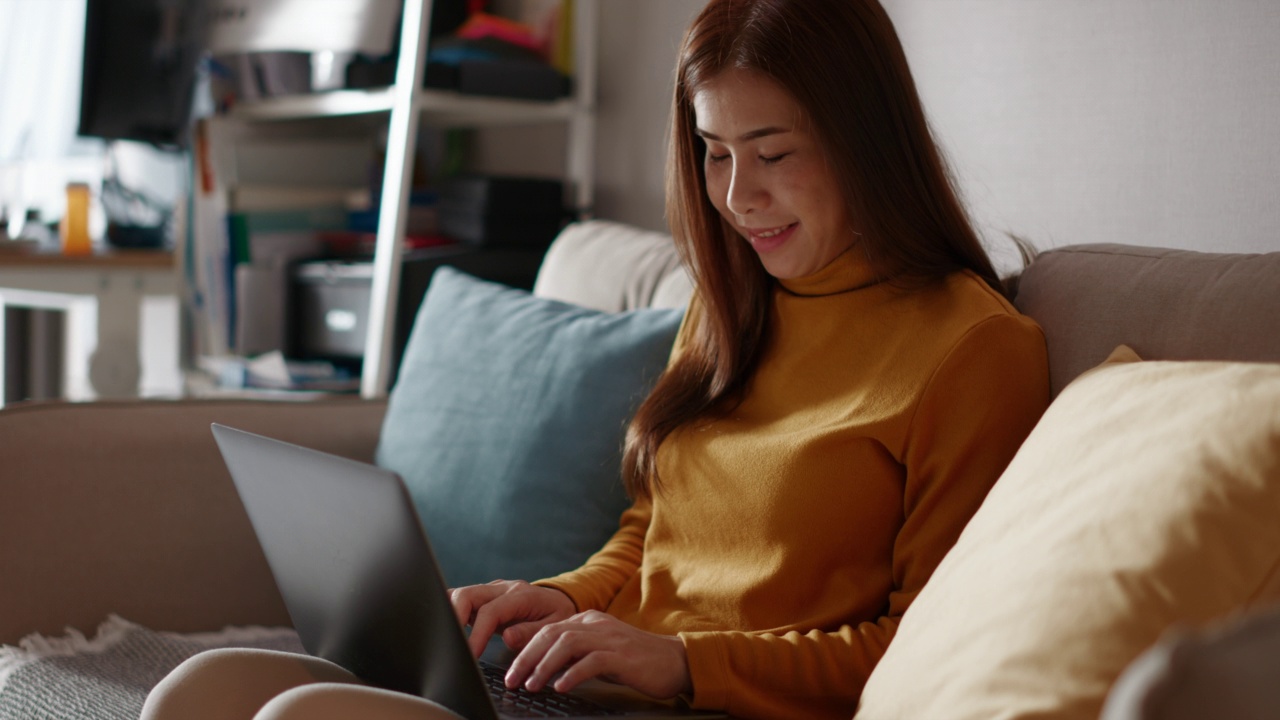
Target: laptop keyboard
522	703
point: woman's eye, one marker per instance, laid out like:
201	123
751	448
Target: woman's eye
717	158
771	159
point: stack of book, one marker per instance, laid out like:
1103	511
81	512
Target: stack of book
261	205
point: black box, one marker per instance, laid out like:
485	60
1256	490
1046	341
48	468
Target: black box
496	192
498	229
330	304
502	211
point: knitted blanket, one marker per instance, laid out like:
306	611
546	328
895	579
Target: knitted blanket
109	676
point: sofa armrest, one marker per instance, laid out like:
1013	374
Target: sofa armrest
127	508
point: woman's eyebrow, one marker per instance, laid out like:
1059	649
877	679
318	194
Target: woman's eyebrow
744	137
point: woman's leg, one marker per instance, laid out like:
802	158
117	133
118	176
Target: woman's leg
342	702
234	684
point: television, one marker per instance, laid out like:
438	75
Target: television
140	65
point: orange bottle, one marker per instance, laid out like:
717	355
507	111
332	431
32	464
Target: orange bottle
75	223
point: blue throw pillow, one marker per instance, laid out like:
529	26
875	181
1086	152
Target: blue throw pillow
507	423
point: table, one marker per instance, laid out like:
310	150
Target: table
102	295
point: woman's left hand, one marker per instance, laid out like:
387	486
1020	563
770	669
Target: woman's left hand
594	644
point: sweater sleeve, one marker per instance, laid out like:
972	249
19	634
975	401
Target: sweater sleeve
594	585
980	404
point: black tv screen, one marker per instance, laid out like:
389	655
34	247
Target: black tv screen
140	61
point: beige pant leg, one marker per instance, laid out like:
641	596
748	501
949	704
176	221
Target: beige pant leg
342	702
234	684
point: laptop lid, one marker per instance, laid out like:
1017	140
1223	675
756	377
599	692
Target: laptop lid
355	569
357	574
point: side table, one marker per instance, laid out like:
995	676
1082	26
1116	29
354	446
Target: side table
102	295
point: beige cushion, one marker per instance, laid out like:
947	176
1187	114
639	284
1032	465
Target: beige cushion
1148	495
611	267
1166	304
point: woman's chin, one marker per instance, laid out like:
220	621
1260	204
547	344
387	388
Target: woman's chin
780	269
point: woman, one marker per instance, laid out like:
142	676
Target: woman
848	384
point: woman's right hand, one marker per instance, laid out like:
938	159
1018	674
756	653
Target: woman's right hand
513	607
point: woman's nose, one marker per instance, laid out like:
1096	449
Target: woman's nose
745	191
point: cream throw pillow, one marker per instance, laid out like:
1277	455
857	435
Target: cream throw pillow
1147	496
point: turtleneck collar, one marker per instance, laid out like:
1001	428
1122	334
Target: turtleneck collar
849	271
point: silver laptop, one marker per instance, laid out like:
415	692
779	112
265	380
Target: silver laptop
357	574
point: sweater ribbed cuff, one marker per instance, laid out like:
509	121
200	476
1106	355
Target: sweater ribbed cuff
580	602
708	669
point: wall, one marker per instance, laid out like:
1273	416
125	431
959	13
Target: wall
1139	121
638	46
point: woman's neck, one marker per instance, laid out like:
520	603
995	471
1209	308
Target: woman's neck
847	272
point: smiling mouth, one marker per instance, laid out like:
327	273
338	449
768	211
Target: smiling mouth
771	232
759	235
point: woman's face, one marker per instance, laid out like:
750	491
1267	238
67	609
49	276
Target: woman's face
768	175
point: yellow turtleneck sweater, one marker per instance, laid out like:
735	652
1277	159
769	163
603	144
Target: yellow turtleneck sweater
789	537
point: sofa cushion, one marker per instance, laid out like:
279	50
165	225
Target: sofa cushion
142	500
1165	304
611	266
507	423
1145	497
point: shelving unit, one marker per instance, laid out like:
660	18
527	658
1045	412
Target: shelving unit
408	105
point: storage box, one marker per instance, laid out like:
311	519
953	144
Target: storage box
330	303
502	211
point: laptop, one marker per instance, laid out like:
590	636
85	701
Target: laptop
357	574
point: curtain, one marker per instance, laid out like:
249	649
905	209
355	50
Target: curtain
41	50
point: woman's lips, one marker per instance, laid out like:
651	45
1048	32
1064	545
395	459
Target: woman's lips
766	239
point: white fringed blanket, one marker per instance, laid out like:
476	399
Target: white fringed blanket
74	677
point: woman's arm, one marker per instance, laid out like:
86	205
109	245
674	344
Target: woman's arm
518	609
594	585
598	581
593	643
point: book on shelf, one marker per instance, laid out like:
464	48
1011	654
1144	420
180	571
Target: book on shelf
207	255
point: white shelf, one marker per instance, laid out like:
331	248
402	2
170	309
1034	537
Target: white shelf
406	104
440	107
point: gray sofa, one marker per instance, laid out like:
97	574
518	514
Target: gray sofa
125	507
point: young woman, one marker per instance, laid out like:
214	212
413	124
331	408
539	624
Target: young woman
848	384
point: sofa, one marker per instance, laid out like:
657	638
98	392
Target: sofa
125	508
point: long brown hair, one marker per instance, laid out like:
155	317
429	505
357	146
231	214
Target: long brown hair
842	62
